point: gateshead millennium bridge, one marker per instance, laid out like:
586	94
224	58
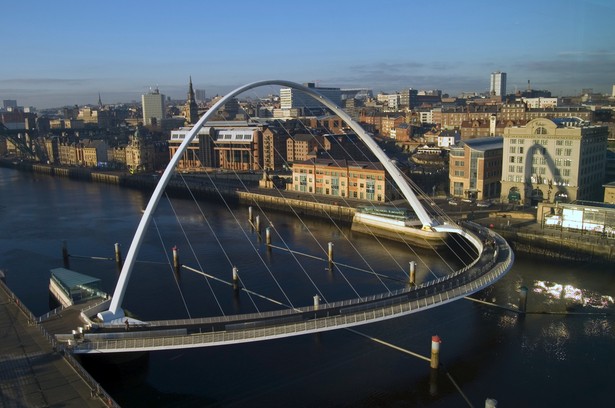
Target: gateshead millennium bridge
105	324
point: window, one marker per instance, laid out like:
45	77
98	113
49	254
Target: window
540	131
511	159
568	152
558	151
519	169
511	168
520	159
513	149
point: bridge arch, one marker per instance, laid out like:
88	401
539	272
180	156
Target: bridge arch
115	311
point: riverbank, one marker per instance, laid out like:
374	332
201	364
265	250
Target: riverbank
517	227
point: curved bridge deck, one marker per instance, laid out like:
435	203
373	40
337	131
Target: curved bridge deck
495	260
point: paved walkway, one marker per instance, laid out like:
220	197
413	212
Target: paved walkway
31	373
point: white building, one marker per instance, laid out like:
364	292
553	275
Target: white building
540	103
153	108
293	99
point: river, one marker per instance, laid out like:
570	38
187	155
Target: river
541	359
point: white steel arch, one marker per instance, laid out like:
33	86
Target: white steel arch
116	312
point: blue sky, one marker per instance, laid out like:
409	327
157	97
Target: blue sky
55	53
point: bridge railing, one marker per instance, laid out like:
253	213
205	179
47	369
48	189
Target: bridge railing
458	288
277	314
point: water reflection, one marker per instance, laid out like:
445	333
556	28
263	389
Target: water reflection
584	297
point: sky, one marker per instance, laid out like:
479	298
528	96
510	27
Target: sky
57	53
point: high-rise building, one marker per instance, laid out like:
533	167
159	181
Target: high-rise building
291	98
498	84
153	108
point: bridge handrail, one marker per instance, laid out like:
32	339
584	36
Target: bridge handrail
490	274
304	309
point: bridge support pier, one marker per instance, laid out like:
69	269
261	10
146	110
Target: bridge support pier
65	255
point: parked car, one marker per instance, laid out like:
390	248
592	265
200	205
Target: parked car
485	203
452	202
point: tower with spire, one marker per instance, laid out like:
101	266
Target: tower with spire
100	105
191	110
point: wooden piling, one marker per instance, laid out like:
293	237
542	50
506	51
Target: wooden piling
412	273
235	278
250	214
330	253
118	255
268	236
65	256
176	264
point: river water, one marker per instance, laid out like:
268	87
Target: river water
541	359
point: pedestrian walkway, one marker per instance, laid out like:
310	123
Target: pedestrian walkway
32	374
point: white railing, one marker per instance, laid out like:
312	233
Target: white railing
401	302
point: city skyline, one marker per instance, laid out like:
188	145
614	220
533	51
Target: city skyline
65	53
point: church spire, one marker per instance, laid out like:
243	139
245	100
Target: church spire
191	110
100	105
190	91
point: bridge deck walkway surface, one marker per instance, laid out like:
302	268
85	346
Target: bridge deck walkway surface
32	374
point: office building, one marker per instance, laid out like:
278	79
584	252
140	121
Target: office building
153	108
549	160
498	84
475	168
294	99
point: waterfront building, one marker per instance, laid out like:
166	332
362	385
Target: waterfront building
358	180
139	153
553	160
588	216
498	84
301	145
153	108
274	148
475	168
